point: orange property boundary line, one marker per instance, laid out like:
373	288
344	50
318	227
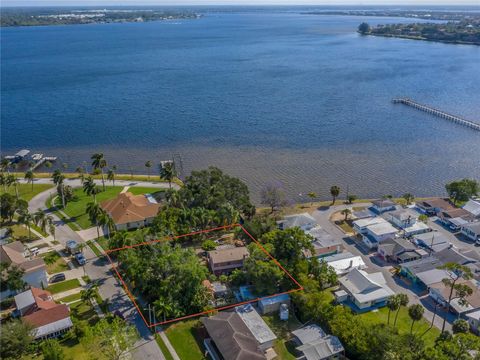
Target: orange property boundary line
150	325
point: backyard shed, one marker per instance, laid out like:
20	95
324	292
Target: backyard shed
272	304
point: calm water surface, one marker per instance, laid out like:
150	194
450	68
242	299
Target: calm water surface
267	96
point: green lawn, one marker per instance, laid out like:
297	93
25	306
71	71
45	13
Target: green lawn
20	232
25	191
94	248
76	209
138	190
163	347
64	286
282	329
71	298
55	262
281	347
184	338
403	323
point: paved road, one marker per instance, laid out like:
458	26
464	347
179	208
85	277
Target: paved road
98	269
323	214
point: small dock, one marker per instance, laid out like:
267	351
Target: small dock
39	159
439	113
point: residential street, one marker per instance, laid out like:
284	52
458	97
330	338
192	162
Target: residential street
322	215
98	269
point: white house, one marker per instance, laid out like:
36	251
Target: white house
440	293
314	344
366	290
257	326
344	262
377	233
304	221
382	205
472	231
408	222
360	226
473	319
16	254
473	207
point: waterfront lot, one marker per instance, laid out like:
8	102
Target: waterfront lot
25	191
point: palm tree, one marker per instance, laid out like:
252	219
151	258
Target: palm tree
408	198
12	180
107	223
90	188
347	212
89	293
99	162
3	181
168	172
403	300
111	176
456	272
312	195
334	191
48	164
58	179
415	312
148	165
5	164
40	219
94	212
393	304
29	176
81	173
51	229
26	218
162	308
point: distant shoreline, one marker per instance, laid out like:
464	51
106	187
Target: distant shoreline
456	42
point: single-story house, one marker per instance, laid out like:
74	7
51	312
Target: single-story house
314	344
412	269
231	339
407	220
324	243
473	207
362	214
452	255
440	293
304	221
360	226
432	276
473	319
48	319
345	262
366	290
433	241
130	211
433	206
257	326
472	231
272	304
399	250
382	205
35	271
226	260
378	233
455	218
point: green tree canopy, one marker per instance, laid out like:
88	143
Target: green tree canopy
462	190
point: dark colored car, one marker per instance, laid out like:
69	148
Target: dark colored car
57	278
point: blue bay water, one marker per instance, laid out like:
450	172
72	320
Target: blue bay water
267	95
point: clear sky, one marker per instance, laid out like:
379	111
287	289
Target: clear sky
236	2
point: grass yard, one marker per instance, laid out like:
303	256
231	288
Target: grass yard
94	248
345	226
282	329
70	298
55	262
64	286
76	209
25	191
184	338
163	347
20	232
403	323
103	242
138	190
281	347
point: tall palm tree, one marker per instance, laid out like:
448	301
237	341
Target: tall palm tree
89	293
148	165
3	181
334	191
415	312
107	223
12	180
94	212
393	303
111	176
29	176
90	188
408	198
99	162
26	218
168	172
312	195
51	229
42	220
403	300
346	212
58	179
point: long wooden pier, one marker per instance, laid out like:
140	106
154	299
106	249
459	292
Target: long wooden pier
437	112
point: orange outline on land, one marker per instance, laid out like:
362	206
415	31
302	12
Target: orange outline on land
148	324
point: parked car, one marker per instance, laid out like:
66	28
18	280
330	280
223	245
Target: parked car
80	259
57	278
34	251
